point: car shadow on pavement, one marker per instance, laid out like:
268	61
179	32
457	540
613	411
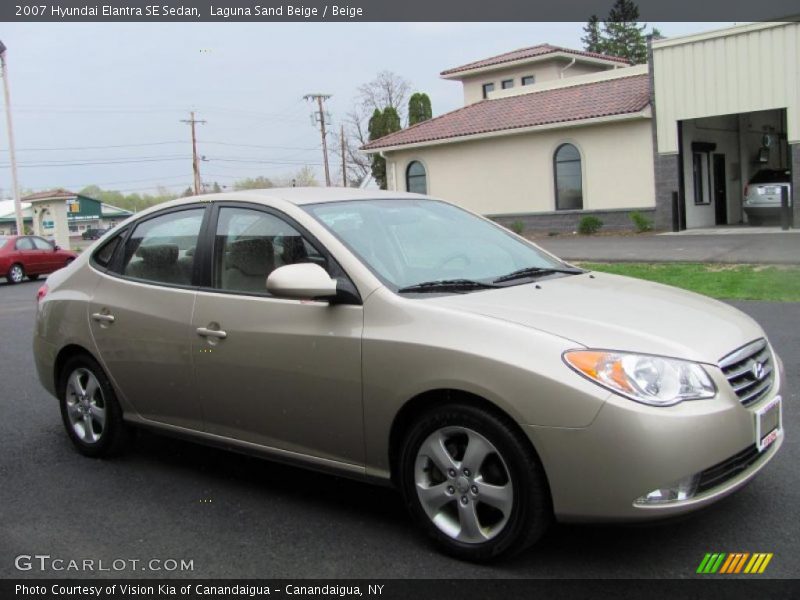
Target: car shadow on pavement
567	550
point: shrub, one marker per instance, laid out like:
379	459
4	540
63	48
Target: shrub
589	225
517	227
641	222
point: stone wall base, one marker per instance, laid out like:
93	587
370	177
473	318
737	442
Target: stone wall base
567	221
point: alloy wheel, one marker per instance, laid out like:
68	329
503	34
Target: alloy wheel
463	484
16	273
86	406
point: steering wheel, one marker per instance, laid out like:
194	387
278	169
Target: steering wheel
451	258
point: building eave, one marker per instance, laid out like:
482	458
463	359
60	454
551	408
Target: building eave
645	113
499	66
722	32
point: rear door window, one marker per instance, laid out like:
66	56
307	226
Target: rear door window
162	249
24	244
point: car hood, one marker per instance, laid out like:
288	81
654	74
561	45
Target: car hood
618	313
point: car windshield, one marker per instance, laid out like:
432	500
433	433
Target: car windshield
412	242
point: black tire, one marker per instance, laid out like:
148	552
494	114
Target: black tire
531	511
33	277
11	276
114	434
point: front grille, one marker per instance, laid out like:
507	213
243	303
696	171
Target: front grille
750	371
727	469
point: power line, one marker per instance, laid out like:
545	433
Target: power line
113	146
59	148
81	164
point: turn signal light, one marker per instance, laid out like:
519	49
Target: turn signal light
41	293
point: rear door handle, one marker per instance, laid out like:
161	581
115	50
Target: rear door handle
103	318
214	333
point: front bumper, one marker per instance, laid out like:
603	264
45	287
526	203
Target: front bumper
598	472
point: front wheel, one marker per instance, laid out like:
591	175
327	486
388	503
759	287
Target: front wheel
474	483
89	408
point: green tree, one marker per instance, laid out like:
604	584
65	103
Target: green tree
253	183
593	40
380	124
621	34
624	36
419	108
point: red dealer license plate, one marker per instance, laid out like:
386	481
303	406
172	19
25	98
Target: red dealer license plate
768	424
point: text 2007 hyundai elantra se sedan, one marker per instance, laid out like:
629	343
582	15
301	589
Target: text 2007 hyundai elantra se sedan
399	338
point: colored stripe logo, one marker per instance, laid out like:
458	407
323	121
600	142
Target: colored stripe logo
734	562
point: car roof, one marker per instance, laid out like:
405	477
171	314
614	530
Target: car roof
295	195
315	195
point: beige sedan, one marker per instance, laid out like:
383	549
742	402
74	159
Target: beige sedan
397	338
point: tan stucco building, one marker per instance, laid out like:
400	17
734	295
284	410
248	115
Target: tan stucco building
547	135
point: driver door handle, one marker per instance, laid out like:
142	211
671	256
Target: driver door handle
214	333
103	317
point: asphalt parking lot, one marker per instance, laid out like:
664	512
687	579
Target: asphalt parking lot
236	516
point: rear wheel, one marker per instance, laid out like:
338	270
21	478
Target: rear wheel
15	274
473	483
89	408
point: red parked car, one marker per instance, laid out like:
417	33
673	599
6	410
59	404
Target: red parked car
30	256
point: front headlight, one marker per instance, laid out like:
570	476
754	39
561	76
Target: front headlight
648	379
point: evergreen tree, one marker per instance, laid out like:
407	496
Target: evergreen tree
624	37
621	34
593	40
419	108
380	124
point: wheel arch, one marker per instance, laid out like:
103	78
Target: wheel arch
431	399
63	356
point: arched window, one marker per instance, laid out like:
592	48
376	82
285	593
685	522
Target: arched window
416	178
569	183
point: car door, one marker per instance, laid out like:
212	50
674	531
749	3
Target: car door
140	315
28	256
47	255
276	372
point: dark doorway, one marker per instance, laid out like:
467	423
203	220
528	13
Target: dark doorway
720	190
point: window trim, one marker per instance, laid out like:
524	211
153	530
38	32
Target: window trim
208	241
580	161
424	168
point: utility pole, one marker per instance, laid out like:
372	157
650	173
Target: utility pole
195	161
344	161
320	116
11	149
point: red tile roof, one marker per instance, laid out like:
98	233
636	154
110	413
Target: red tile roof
50	194
575	103
532	52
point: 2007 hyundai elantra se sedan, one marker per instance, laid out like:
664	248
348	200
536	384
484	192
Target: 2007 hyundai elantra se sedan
398	338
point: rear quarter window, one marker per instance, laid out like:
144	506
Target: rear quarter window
103	256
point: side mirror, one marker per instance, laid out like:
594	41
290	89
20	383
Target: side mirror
56	247
301	281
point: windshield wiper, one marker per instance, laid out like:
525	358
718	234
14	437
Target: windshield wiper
536	272
447	285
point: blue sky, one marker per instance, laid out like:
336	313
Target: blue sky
74	86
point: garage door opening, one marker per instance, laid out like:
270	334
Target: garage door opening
735	170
